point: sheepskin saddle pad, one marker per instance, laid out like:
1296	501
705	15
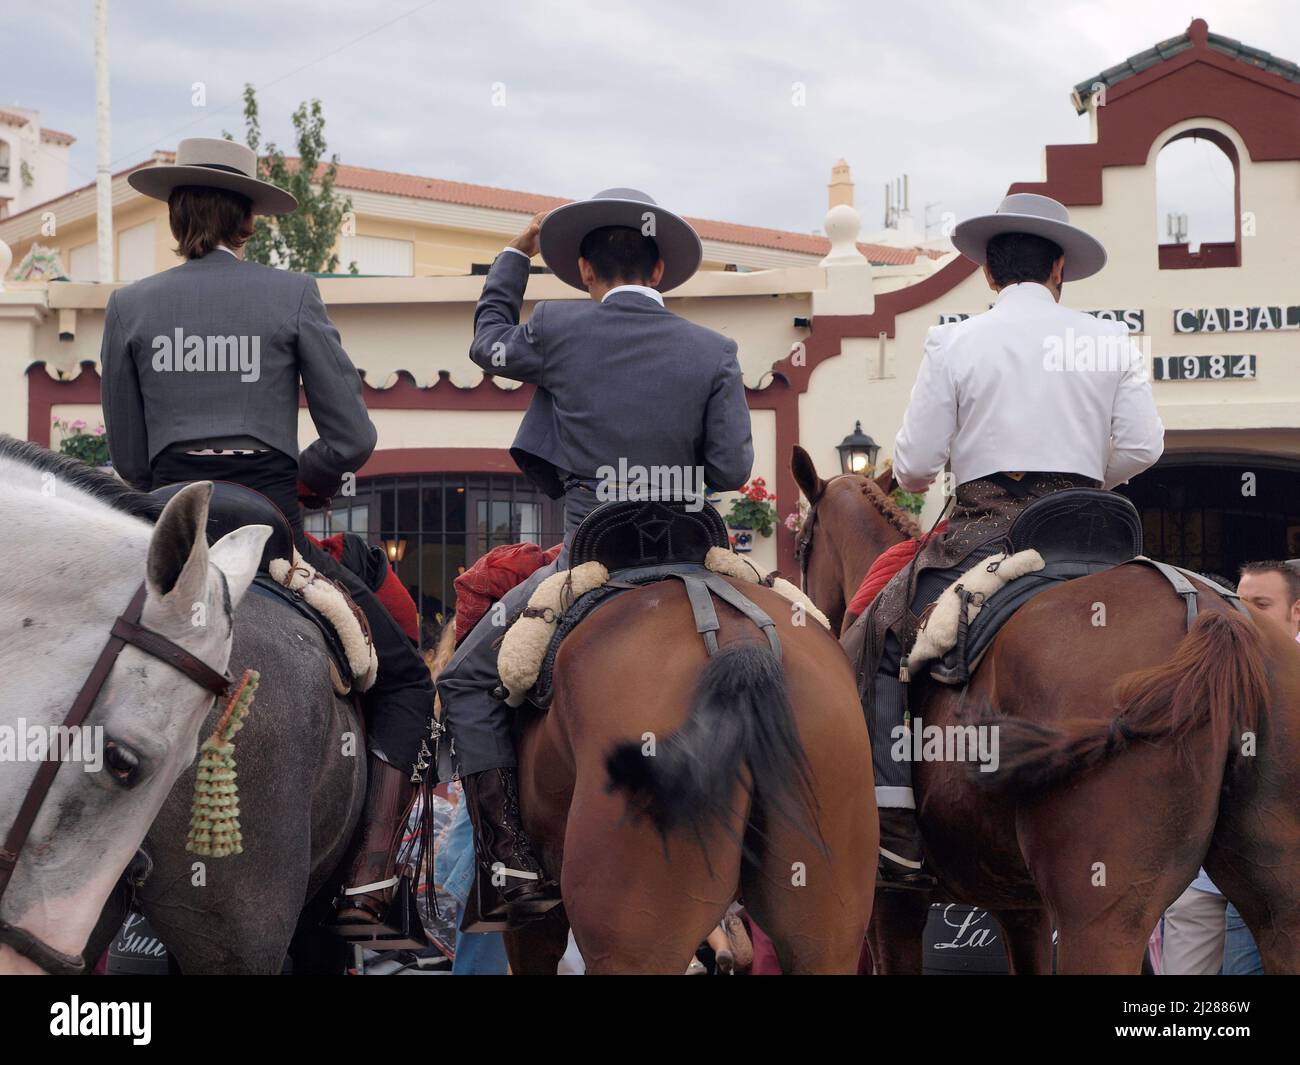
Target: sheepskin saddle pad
1056	538
284	575
526	658
949	619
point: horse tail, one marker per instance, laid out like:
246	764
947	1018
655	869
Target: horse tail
1216	677
740	715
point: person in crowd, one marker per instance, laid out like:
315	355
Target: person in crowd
1001	400
621	382
201	372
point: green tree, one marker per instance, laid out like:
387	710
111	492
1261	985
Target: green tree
304	240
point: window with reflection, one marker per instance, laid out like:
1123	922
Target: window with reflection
434	526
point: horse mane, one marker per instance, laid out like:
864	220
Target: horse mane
899	518
104	487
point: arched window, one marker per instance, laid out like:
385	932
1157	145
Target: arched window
1198	202
4	161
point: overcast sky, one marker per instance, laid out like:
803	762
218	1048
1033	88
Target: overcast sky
695	102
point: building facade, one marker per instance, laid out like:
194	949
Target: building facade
828	339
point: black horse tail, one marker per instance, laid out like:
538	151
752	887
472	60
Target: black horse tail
1216	678
740	715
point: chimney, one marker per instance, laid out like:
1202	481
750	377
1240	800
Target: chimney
840	190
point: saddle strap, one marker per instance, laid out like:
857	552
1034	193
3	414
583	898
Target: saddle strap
1177	577
700	589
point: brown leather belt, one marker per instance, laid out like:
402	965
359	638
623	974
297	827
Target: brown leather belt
126	630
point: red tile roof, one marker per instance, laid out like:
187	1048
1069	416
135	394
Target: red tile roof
392	183
56	136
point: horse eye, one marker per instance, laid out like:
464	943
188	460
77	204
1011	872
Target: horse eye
123	763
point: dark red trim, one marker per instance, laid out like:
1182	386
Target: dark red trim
405	394
1199	82
399	460
43	392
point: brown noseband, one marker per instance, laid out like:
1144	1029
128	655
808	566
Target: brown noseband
126	630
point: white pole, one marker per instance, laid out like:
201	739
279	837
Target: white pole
103	152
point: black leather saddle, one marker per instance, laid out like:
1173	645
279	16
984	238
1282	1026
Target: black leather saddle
1079	525
233	506
1078	531
622	534
642	543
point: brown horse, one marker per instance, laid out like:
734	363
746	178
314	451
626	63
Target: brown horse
1131	752
662	784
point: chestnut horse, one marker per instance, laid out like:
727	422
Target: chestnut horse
662	783
1132	751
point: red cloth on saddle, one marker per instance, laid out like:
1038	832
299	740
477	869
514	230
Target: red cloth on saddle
492	576
884	568
392	593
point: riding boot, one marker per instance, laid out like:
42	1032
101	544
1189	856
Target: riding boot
368	889
507	867
902	854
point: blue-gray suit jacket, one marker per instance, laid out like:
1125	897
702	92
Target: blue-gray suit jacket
623	379
172	372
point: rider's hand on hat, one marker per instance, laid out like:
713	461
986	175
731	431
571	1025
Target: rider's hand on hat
526	242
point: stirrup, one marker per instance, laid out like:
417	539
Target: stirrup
896	873
397	926
487	911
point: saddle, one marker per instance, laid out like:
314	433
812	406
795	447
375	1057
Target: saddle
233	506
623	535
619	546
1077	532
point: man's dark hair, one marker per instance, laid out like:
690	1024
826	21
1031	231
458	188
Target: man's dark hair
1016	257
1289	573
202	218
620	253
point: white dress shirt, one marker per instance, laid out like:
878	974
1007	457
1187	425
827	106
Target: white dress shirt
993	395
644	290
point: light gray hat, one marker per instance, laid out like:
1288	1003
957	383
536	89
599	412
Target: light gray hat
214	163
1027	212
563	230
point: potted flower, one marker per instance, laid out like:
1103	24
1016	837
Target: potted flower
81	442
751	512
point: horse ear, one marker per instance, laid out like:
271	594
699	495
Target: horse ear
885	479
237	555
805	475
178	551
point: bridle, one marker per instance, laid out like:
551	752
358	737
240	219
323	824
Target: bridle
804	541
126	630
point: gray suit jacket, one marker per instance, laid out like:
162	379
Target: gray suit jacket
623	379
214	348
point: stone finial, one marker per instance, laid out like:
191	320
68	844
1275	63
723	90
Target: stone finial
840	190
842	225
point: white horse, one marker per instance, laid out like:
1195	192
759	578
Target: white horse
69	565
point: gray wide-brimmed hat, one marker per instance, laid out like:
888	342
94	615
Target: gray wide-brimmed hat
1027	212
565	227
214	163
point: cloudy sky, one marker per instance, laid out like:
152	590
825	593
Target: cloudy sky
696	102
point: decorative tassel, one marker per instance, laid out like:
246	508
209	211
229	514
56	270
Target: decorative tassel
214	816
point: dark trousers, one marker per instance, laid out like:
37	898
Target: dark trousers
894	775
399	707
479	723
